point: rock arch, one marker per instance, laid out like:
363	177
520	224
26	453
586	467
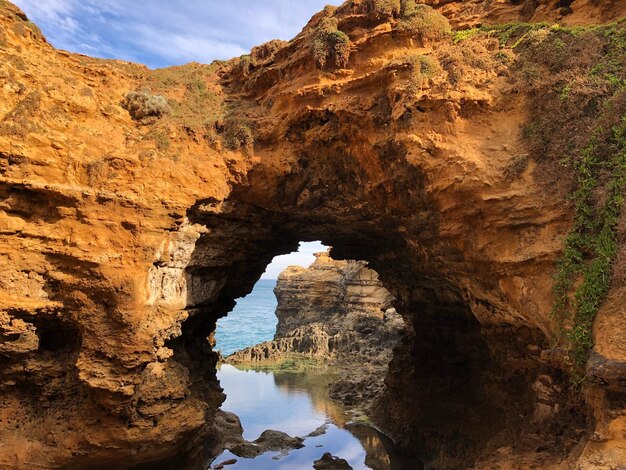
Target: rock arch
119	255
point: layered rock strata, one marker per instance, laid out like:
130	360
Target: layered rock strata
328	310
337	311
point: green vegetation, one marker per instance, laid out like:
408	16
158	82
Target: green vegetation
195	107
423	19
578	79
504	32
423	67
193	104
238	135
592	246
331	47
382	8
143	105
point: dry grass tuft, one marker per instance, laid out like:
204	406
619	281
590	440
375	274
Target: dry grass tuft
143	105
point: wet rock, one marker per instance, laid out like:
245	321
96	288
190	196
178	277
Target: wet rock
229	427
319	431
330	462
278	440
269	440
221	465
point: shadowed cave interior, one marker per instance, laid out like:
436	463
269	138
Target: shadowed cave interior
455	388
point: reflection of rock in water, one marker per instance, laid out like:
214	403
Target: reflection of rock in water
331	462
381	454
338	311
315	384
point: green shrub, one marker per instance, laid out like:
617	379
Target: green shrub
575	81
423	68
141	105
331	47
238	135
160	139
592	246
423	20
381	8
20	121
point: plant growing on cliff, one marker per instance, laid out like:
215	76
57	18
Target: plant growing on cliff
142	105
422	68
238	135
423	20
592	246
331	47
381	8
578	76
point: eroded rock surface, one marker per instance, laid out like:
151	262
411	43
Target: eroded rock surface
330	309
269	440
124	240
337	311
330	462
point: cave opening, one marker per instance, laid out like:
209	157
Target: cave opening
302	358
459	384
253	321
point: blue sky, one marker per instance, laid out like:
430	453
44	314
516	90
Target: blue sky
303	257
159	33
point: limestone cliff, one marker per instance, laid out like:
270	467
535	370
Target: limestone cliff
333	308
337	311
136	205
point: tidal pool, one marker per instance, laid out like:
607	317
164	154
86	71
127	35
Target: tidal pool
296	402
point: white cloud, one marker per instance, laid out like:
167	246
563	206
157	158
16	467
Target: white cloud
164	32
303	257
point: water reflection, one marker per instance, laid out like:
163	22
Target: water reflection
297	403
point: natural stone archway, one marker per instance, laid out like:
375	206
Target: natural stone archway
456	387
120	252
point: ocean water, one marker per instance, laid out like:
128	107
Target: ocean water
251	322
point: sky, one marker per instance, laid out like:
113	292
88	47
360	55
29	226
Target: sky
160	33
303	257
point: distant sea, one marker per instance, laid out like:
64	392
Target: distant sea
252	321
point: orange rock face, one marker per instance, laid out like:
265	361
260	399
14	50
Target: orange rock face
123	241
